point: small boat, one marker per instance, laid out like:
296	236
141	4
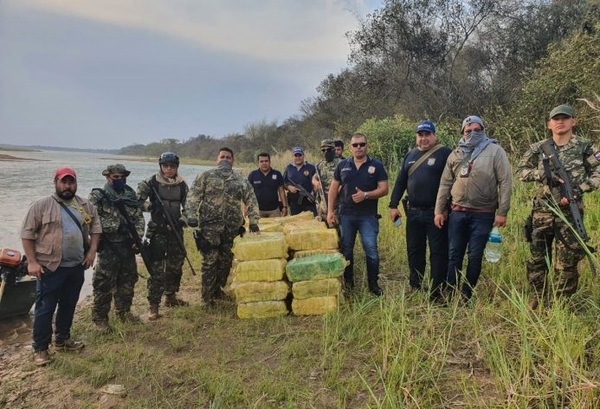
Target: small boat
17	289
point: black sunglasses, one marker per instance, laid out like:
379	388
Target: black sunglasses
357	144
298	155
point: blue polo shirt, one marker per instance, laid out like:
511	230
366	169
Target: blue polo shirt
266	187
365	178
302	177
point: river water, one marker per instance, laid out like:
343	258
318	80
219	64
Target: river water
23	181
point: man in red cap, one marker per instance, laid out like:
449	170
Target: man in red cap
60	235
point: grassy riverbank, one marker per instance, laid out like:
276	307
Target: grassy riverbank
393	352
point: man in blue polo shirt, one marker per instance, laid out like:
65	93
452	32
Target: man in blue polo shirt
268	188
363	181
297	178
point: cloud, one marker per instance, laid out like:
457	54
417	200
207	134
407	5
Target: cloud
274	30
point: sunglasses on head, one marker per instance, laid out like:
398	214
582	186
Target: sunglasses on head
357	144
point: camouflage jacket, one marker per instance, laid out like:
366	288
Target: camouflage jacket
325	171
579	157
216	197
113	223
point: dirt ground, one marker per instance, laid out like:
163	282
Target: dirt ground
24	385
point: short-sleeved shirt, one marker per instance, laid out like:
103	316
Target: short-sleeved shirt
302	177
266	188
366	178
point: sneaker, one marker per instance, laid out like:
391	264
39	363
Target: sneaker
41	358
68	345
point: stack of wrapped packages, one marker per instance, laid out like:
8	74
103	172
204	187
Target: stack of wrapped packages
316	283
315	269
258	275
261	267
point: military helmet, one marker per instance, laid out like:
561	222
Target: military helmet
168	158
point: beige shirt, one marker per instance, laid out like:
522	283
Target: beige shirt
43	223
489	185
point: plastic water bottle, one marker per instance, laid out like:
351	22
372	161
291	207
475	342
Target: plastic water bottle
493	249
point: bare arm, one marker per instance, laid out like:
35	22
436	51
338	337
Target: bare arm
334	189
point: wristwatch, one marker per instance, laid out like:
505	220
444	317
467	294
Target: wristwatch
366	195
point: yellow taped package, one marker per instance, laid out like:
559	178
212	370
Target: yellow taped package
316	288
262	309
253	291
270	227
276	224
259	270
260	247
303	225
308	253
312	239
315	305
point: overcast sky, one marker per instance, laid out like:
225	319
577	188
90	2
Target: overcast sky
111	73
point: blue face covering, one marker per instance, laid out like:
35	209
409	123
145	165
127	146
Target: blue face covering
119	184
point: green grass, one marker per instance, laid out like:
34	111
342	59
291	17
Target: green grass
395	352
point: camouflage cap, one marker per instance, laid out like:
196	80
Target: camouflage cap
561	110
327	143
114	169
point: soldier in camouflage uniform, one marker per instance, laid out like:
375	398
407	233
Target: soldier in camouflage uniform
115	273
216	197
166	252
324	176
580	159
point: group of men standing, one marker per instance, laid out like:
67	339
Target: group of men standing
62	233
453	199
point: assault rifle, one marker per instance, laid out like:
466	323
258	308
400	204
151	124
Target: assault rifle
141	246
173	229
566	189
321	191
303	192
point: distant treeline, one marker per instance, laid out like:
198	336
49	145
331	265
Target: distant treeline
508	61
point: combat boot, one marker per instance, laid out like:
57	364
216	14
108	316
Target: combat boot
171	300
103	327
127	316
153	315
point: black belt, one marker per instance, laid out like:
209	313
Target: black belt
422	208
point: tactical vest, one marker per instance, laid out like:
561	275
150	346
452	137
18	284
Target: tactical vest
172	196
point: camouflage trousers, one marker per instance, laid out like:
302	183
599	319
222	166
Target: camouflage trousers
167	262
548	231
216	260
115	276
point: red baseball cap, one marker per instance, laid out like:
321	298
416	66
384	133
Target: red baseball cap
62	172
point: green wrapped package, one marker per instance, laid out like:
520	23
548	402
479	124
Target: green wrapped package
316	267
